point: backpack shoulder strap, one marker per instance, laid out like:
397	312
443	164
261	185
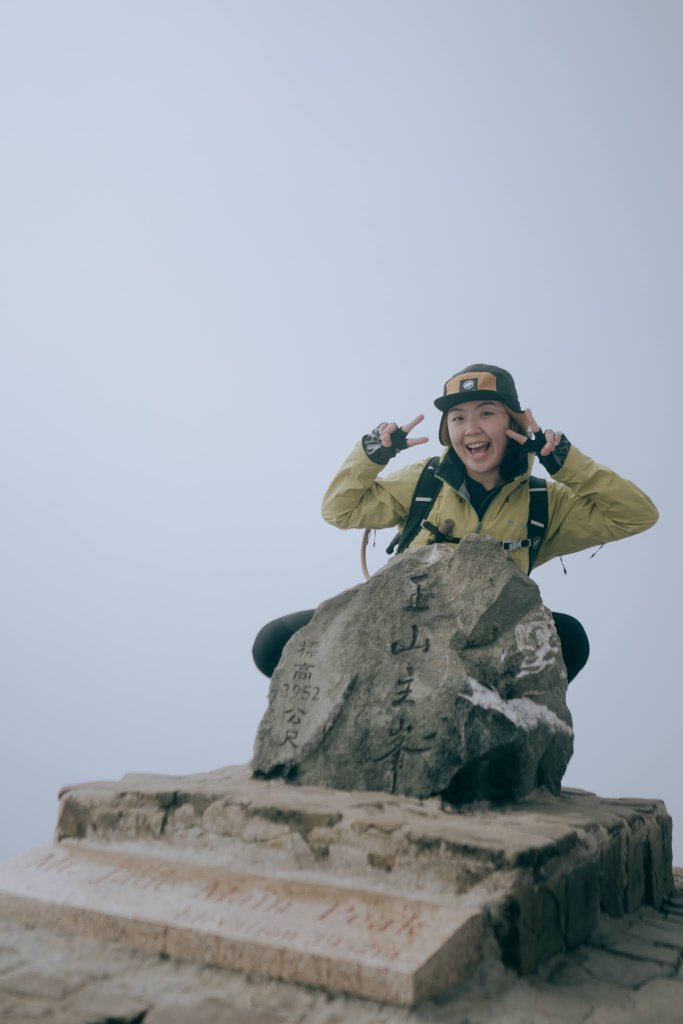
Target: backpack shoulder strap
429	485
538	517
426	490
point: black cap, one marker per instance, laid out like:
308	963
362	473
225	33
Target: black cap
479	382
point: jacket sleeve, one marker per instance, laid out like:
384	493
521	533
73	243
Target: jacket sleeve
356	498
589	504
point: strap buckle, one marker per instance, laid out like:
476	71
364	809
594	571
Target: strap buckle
437	536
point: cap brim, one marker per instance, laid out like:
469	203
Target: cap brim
447	402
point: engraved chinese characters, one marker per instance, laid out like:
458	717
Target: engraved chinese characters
298	692
401	740
441	675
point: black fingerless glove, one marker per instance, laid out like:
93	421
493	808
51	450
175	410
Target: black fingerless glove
535	443
553	462
375	450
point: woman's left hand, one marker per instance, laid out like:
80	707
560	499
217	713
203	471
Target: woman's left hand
552	438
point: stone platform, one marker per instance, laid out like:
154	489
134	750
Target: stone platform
630	973
383	897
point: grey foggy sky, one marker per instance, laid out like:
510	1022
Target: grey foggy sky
237	235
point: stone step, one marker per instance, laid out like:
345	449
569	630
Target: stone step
384	840
544	869
345	940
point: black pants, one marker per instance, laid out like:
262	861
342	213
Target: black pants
270	641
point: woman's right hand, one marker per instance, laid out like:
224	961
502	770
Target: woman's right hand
393	436
382	443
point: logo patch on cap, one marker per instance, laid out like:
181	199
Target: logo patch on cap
471	384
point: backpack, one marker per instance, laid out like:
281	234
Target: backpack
424	496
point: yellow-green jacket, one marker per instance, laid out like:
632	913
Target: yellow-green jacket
588	504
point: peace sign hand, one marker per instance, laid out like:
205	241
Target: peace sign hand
536	440
393	436
382	443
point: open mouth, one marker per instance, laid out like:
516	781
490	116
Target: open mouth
478	449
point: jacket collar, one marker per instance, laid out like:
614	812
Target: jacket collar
452	471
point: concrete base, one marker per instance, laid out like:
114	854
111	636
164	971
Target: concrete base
385	897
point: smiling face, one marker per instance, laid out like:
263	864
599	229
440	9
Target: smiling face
478	433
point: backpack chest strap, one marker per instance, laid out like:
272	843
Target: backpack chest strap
424	496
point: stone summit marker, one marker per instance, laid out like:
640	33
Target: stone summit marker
437	683
442	675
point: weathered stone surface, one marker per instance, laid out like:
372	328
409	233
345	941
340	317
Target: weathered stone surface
614	937
54	985
541	869
210	1011
580	987
441	675
387	948
90	1007
9	957
625	971
387	841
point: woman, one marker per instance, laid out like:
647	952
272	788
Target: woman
490	445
